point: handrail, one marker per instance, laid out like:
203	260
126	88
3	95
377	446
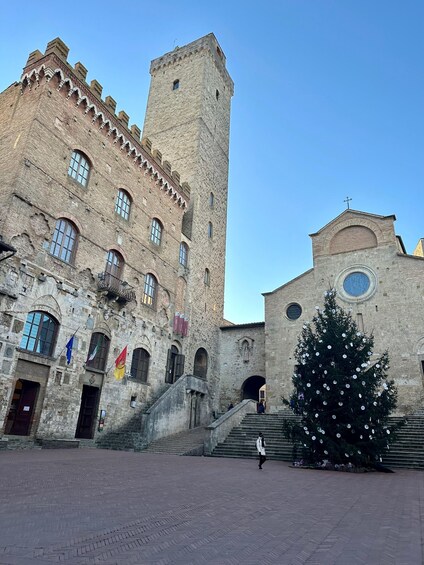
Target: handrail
220	429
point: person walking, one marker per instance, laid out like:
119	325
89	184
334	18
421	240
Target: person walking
260	446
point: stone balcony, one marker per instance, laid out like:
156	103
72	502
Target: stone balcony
115	288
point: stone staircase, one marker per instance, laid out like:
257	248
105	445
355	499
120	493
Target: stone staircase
127	438
241	442
408	449
406	452
189	442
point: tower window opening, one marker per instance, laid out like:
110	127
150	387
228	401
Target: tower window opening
176	84
217	94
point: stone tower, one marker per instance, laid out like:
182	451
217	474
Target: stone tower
188	119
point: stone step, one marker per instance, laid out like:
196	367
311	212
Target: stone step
59	443
87	443
19	443
189	442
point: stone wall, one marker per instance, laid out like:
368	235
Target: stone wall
186	402
52	116
242	355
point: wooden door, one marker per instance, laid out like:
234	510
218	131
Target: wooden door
88	411
23	405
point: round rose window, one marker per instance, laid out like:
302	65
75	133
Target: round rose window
356	284
294	311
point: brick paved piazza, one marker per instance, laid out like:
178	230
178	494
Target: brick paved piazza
93	506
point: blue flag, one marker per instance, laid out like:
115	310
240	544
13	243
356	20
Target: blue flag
69	347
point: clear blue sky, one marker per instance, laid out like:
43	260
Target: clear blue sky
328	103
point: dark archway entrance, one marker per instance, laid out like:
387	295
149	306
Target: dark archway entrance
88	412
250	388
174	365
201	363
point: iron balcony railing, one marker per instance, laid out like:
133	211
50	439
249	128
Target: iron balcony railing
115	288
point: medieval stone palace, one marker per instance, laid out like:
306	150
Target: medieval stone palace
112	260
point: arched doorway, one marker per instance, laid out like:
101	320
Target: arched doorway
201	363
250	388
174	365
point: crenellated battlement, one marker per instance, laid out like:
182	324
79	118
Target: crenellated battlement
54	63
208	44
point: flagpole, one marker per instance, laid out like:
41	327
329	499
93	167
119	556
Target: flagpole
63	349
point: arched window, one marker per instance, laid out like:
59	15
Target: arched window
211	200
140	365
150	290
183	254
123	204
114	264
176	84
156	232
201	363
98	351
79	168
40	332
210	229
63	244
207	277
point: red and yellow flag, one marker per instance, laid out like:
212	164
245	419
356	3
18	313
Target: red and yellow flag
119	371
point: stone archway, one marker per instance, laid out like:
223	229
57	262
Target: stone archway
250	387
201	363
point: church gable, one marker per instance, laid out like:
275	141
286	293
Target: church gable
351	239
352	231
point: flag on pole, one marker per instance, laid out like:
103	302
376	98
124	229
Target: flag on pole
69	347
93	354
119	371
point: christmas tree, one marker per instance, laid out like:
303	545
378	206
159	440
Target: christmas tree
340	391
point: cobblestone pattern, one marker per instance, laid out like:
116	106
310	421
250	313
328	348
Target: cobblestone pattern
90	507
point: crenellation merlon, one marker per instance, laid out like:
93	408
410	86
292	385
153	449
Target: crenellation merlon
59	48
33	57
80	71
206	43
97	89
